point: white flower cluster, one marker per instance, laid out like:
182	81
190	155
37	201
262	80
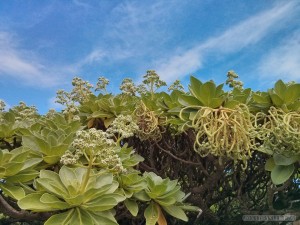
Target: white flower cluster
80	93
110	160
232	82
176	86
71	110
63	97
128	87
152	78
124	126
2	105
70	158
92	140
50	114
81	90
101	84
98	144
141	89
24	112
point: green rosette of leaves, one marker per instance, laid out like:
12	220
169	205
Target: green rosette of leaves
103	109
164	196
50	138
20	116
16	167
8	125
78	195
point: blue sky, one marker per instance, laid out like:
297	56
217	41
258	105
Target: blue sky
43	44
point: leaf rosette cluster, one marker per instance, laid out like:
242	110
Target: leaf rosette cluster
84	198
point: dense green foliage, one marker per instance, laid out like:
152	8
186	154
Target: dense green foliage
206	156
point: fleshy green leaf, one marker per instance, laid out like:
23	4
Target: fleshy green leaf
190	208
23	176
51	182
142	196
207	92
30	163
151	214
81	217
104	180
61	218
261	99
187	100
132	206
270	164
104	203
12	191
280	88
52	159
166	201
292	93
295	106
13	168
32	202
194	87
35	143
175	211
231	104
277	101
281	174
284	160
54	202
216	102
69	179
101	218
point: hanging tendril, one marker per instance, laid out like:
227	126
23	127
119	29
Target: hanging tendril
148	123
282	132
223	132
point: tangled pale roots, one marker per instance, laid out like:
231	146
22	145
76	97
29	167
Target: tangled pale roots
224	132
282	132
148	123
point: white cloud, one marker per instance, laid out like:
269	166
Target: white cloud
179	65
135	29
282	62
234	39
22	65
95	56
133	23
81	4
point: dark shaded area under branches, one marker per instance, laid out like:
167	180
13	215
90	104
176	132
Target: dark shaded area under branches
219	187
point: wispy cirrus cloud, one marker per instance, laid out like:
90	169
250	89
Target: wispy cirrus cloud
133	23
82	4
135	29
97	55
283	61
22	65
232	40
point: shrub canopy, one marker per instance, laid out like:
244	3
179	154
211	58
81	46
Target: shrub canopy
144	156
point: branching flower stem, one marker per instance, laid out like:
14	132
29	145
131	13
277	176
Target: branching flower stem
87	175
